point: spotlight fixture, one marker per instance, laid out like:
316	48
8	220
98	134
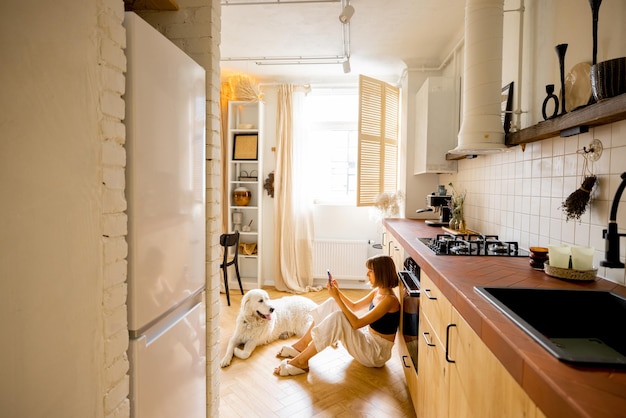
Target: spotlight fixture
346	66
346	14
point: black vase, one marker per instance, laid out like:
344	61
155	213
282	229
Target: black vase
560	51
595	9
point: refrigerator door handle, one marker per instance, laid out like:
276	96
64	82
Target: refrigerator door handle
162	324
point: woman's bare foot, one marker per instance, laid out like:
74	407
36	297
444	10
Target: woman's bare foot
299	347
299	363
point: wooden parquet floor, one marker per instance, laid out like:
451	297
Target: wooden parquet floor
336	385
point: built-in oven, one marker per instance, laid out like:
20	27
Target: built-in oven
410	307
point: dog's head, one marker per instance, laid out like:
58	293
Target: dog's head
257	303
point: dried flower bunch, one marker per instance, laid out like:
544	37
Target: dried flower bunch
243	87
389	203
577	202
457	201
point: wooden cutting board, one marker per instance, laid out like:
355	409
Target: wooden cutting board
457	232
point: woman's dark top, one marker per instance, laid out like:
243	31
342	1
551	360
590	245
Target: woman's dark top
387	324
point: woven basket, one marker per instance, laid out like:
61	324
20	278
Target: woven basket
569	274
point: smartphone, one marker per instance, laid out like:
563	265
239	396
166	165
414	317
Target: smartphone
329	276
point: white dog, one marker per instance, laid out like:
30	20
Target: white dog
261	320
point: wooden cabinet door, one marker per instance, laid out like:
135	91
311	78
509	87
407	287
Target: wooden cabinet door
393	249
398	256
479	385
436	306
469	377
433	368
432	391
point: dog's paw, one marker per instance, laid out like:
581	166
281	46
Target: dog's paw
285	335
242	354
225	362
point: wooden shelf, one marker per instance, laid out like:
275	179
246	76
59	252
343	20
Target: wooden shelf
600	113
132	5
606	111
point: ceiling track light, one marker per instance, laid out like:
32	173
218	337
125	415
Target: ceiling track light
330	59
346	14
298	62
346	66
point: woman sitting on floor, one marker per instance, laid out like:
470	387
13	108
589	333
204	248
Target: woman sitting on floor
368	338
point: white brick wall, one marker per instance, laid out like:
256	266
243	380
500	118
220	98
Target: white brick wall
112	40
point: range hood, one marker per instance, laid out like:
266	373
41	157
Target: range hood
482	130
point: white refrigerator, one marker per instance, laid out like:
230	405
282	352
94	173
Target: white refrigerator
165	191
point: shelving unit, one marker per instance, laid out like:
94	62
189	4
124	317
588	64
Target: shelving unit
245	169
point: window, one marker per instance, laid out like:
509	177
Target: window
352	142
332	115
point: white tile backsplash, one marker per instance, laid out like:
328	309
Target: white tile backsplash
518	194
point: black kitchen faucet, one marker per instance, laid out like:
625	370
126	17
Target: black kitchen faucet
611	235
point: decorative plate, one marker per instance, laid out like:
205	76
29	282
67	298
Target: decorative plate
578	86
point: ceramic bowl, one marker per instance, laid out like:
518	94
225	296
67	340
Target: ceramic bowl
608	78
538	252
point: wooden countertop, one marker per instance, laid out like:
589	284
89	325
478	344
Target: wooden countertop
557	388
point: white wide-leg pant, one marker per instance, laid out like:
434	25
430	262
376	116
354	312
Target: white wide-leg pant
331	326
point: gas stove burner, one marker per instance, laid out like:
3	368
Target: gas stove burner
473	245
491	239
503	247
460	249
499	249
468	246
445	237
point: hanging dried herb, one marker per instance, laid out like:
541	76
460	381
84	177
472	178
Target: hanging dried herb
577	202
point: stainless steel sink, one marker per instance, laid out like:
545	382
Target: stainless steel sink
578	326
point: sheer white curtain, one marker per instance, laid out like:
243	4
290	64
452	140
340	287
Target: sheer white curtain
293	217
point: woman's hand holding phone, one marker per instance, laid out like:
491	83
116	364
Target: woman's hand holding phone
332	287
331	281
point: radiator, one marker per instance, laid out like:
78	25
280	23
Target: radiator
345	259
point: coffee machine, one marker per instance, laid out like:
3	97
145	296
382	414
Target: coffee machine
440	205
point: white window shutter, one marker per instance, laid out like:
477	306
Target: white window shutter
379	106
